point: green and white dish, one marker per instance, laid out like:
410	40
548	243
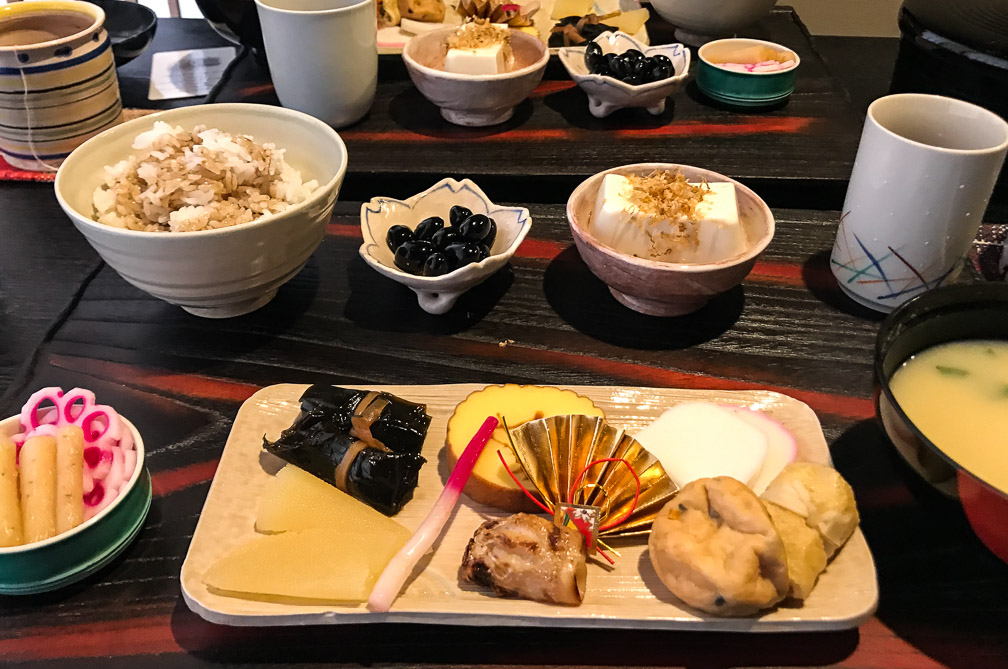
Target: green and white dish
69	557
743	89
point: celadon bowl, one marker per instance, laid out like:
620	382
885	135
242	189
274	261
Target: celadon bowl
69	557
606	94
659	288
438	294
743	89
213	273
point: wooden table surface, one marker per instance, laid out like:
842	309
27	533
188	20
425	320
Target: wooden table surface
69	320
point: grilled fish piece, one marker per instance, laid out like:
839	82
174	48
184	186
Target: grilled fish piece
529	557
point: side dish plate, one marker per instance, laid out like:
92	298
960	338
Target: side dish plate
392	39
628	595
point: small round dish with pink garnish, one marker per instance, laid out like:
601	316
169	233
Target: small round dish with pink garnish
74	492
743	72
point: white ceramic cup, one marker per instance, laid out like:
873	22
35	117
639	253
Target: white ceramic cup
322	55
924	171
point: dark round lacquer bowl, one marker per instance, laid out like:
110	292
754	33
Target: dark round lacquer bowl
130	27
952	313
235	20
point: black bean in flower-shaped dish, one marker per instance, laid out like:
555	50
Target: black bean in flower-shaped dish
441	242
617	71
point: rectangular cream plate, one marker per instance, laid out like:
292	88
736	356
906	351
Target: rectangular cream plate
392	39
629	595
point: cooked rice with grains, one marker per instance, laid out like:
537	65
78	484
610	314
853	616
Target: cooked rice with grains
182	181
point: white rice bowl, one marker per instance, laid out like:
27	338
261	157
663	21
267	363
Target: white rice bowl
203	179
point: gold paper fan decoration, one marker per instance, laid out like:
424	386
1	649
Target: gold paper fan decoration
580	460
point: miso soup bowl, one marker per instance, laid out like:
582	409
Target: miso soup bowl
660	288
952	313
74	555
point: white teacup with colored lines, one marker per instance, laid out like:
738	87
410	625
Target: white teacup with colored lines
924	172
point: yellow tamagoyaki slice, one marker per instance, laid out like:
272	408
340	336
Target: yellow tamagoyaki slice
490	483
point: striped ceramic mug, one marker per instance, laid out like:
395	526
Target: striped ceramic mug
58	83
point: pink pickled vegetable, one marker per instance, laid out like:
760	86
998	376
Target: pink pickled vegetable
392	578
109	451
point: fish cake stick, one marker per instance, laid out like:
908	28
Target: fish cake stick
38	488
69	478
10	505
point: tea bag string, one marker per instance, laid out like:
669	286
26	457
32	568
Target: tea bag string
28	116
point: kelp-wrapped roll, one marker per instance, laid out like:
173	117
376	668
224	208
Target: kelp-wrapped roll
365	443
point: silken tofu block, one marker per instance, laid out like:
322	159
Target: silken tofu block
715	234
320	565
485	60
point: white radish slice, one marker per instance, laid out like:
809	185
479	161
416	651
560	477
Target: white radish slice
414	27
781	446
695	440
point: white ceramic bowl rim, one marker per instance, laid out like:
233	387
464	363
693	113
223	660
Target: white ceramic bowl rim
754	250
94	11
169	237
749	41
354	4
432	283
962	104
126	489
570	51
454	76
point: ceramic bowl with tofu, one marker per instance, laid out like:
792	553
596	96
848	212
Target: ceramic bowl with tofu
53	563
479	86
654	260
607	94
438	294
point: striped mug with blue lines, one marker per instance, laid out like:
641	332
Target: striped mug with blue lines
58	83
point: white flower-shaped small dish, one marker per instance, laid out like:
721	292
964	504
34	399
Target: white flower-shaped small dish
437	294
606	94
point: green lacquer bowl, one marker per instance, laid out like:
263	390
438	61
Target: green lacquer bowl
743	89
74	555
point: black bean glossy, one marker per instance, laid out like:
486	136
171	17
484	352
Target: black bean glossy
411	255
614	64
633	54
475	228
437	264
658	72
484	251
457	214
398	234
443	238
462	254
427	227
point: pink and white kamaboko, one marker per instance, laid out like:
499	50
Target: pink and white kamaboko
110	455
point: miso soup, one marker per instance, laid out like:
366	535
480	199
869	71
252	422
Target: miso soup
957	395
